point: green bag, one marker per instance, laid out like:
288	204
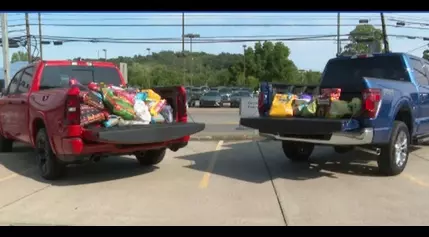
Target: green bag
309	110
355	106
338	109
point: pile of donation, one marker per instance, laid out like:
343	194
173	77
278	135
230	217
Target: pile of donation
109	106
327	105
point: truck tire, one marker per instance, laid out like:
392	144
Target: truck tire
50	167
297	151
5	144
394	156
151	157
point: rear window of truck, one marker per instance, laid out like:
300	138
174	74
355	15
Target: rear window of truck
349	72
59	76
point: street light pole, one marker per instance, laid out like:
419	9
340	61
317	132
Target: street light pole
338	35
383	27
146	73
105	54
27	29
244	63
191	36
5	47
148	51
40	36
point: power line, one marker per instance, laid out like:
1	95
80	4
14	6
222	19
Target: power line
420	47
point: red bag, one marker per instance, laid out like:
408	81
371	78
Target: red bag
94	87
130	97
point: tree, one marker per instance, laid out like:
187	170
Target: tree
360	39
426	54
19	56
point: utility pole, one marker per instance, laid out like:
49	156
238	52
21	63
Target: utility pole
27	29
183	48
147	74
5	47
383	27
40	36
338	35
98	55
105	54
191	36
244	63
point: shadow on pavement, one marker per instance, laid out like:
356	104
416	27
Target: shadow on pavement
243	161
23	162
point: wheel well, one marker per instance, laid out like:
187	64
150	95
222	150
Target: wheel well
37	125
404	115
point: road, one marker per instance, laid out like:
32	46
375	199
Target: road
217	120
217	183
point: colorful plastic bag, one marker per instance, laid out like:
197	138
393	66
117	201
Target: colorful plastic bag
89	115
355	106
338	109
167	113
117	105
151	95
142	112
125	95
309	109
282	105
93	99
141	96
113	120
158	119
157	107
94	87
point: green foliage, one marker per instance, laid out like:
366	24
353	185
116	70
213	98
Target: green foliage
265	61
19	56
360	39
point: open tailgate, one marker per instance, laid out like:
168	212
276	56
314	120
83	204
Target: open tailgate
299	126
143	134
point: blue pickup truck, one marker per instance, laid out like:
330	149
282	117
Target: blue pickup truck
394	89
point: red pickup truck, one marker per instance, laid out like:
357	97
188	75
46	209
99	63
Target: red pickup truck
40	108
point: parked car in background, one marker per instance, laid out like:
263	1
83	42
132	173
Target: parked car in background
211	99
195	95
225	94
236	98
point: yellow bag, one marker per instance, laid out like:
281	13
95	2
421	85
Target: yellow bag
282	105
152	95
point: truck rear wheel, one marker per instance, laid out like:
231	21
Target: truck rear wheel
5	144
50	167
394	156
150	157
297	151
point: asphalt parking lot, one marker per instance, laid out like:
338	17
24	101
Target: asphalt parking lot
217	183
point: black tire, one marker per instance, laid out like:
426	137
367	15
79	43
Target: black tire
297	151
5	144
342	149
388	163
50	167
150	157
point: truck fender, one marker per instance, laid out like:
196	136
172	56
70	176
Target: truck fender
33	118
403	102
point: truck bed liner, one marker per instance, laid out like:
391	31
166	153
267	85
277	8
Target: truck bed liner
151	133
299	126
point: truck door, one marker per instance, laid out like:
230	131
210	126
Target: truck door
421	76
21	103
8	112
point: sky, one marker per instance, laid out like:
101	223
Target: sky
307	55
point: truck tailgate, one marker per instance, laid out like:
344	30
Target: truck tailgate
299	126
142	134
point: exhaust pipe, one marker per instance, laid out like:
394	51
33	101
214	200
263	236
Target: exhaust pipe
375	151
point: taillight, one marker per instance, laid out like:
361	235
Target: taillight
72	111
371	101
182	115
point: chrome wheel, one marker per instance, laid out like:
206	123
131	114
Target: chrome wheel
401	149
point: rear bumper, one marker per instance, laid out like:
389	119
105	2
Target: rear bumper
361	137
